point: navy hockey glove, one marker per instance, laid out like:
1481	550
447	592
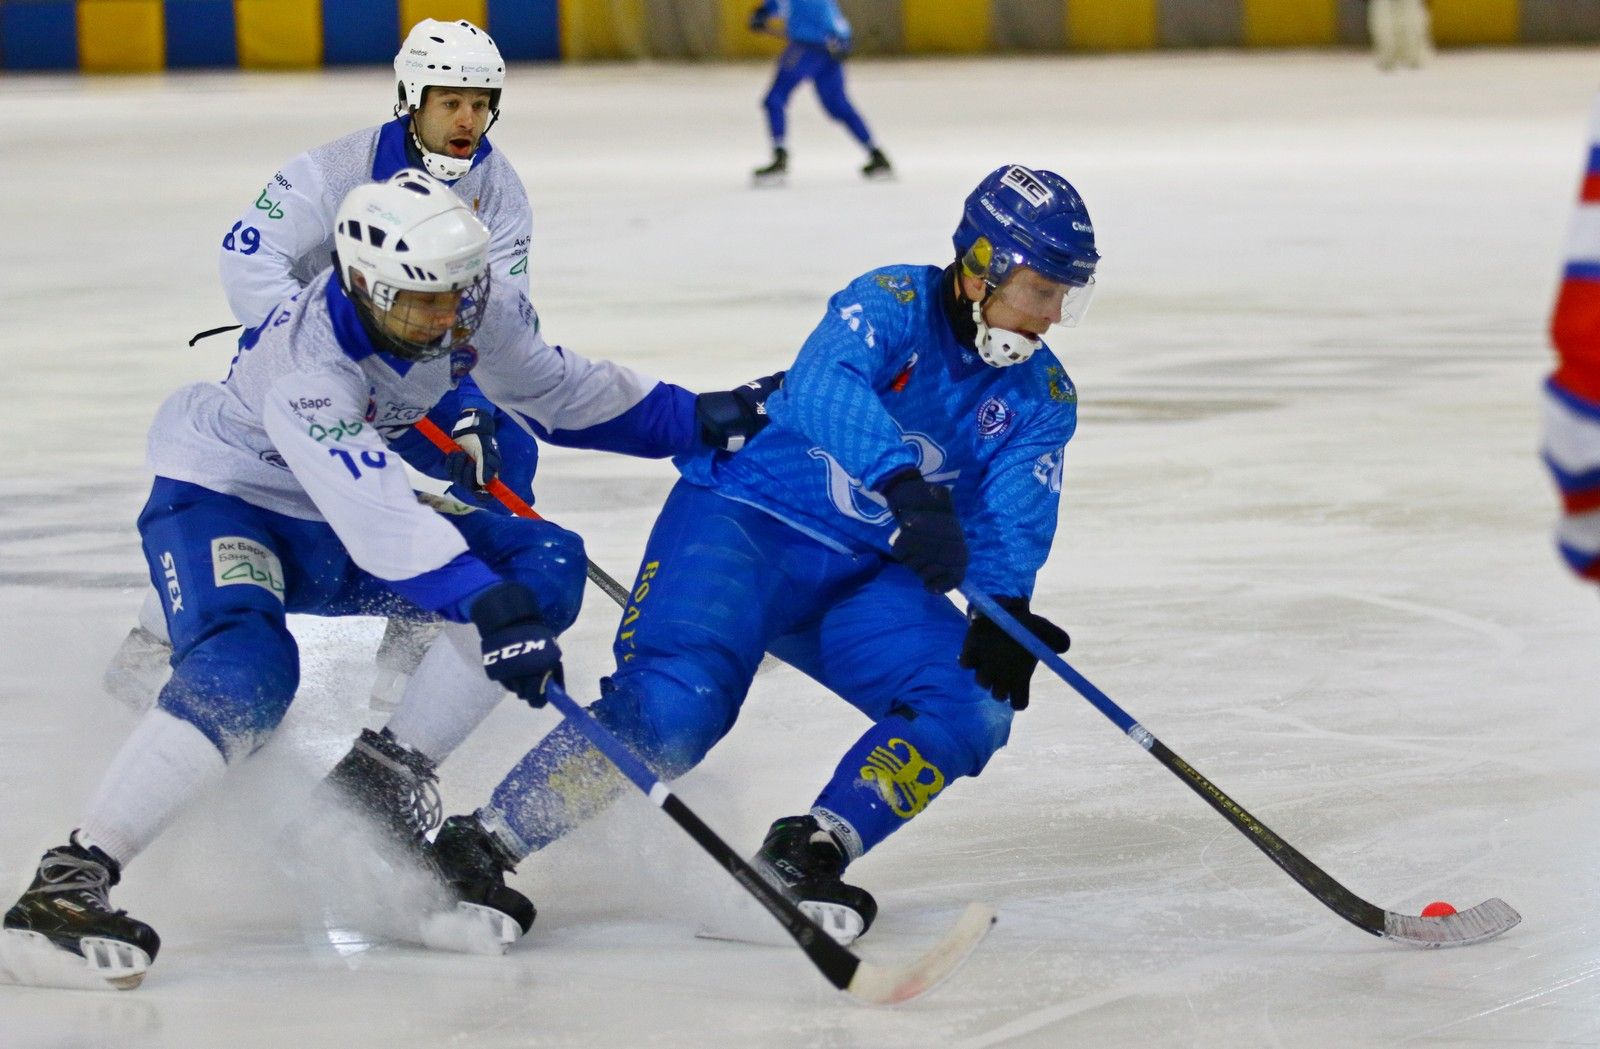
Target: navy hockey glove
758	18
1002	665
478	462
728	420
519	651
929	539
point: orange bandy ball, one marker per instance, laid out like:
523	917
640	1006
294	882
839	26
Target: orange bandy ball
1438	909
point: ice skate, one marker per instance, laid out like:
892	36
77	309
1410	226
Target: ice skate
394	788
490	915
808	863
138	669
405	642
63	932
877	168
775	173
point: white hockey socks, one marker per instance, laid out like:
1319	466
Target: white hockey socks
448	695
164	765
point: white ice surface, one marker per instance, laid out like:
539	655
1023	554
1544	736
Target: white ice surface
1303	539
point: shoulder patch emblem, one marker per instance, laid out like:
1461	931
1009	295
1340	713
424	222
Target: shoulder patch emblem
994	418
462	362
899	287
1061	389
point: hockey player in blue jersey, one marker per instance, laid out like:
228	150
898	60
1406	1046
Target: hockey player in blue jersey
277	492
819	40
917	442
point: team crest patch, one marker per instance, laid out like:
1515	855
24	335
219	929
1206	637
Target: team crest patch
237	561
899	287
994	418
1061	389
462	362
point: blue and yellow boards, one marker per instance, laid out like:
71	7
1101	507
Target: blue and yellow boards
131	36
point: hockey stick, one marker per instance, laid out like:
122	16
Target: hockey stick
1483	922
876	984
513	502
839	965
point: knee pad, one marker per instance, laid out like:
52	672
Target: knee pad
236	683
550	561
671	726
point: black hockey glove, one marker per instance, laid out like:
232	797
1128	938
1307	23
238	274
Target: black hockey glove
519	651
728	420
929	539
1002	665
478	462
758	18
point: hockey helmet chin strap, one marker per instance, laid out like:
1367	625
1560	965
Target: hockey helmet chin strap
440	165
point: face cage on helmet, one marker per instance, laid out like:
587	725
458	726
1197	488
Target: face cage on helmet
474	300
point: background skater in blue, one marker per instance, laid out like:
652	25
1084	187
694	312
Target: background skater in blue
923	416
449	80
274	493
819	40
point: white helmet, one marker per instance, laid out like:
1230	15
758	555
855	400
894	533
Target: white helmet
411	233
446	54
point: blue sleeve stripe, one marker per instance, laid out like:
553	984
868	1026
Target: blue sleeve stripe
448	589
1582	271
661	425
1577	404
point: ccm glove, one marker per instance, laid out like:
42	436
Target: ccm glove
1002	665
728	420
478	462
929	539
519	651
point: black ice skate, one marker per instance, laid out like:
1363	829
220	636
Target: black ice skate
878	166
473	864
808	862
775	173
63	932
392	786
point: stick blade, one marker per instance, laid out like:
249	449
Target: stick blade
1483	922
889	985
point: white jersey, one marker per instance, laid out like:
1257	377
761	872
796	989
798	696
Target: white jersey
285	238
298	426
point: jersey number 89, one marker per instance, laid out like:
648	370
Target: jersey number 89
248	241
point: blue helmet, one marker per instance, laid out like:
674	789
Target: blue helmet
1021	217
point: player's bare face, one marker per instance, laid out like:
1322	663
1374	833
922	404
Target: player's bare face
1026	303
421	317
452	120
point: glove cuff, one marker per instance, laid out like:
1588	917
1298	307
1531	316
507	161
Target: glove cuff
891	487
503	604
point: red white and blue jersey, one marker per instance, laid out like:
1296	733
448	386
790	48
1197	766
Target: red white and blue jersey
1572	393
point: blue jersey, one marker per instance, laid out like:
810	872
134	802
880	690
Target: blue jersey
811	21
882	385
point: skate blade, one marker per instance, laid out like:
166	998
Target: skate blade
469	929
752	924
769	181
880	176
30	959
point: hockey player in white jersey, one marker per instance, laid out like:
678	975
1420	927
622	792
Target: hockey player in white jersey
276	491
449	77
